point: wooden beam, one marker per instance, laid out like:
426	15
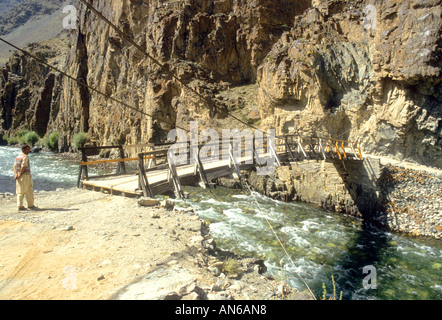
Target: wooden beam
199	166
322	149
233	161
143	182
88	163
175	180
300	147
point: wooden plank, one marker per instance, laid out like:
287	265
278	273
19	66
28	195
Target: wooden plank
274	154
200	168
233	161
88	163
175	180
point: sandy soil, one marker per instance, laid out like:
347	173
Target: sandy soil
90	245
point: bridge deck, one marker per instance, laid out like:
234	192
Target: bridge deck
168	177
158	180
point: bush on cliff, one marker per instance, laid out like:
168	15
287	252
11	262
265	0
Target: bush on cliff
30	138
11	140
79	140
53	140
50	141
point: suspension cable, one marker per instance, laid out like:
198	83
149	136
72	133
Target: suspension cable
84	84
280	242
162	66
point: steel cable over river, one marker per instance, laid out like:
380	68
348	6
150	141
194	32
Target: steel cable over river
320	243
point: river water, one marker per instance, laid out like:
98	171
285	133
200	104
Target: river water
319	243
49	170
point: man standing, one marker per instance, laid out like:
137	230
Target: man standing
23	178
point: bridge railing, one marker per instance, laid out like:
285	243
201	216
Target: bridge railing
305	147
246	150
121	167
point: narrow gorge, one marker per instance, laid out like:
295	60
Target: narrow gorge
366	71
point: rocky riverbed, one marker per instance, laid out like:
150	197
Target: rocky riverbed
412	201
88	245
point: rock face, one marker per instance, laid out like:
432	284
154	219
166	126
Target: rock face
28	90
208	44
368	72
359	70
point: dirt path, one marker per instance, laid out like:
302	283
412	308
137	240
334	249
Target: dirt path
407	165
90	245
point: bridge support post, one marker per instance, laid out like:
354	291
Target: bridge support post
121	165
322	149
200	168
288	149
143	183
272	152
173	177
83	174
301	148
234	162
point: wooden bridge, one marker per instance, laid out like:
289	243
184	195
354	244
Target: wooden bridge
158	171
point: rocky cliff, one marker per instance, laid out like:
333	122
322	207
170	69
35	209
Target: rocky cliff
210	45
29	91
358	70
367	72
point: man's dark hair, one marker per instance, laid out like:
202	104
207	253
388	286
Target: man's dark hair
23	147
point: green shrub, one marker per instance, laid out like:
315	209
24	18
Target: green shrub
53	141
30	138
44	142
230	266
21	133
12	140
79	140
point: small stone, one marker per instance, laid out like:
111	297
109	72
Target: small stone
218	296
215	288
172	262
148	202
237	286
69	228
154	215
214	270
171	296
168	204
100	278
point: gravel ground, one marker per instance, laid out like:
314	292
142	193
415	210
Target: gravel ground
89	245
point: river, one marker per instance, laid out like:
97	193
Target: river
49	170
319	243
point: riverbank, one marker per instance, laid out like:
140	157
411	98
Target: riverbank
89	245
399	197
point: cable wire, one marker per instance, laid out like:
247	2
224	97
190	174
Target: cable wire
162	66
84	84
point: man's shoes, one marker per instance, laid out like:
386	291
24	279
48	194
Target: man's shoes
33	208
21	209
